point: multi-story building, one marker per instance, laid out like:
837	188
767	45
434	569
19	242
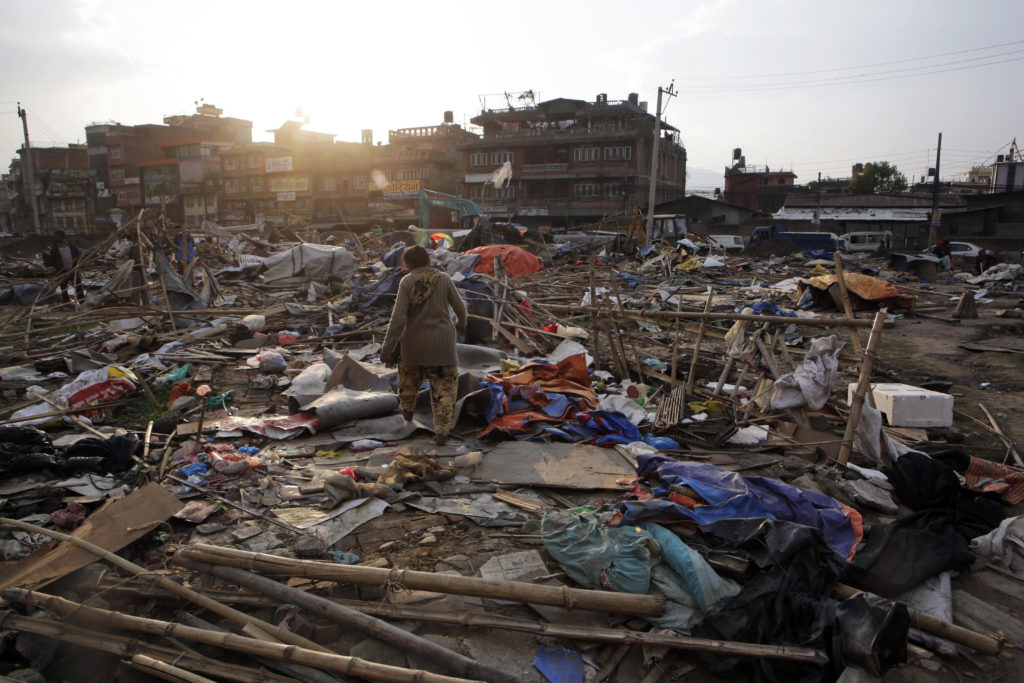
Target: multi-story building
62	190
573	162
116	151
756	187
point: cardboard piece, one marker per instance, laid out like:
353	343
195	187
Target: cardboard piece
112	527
560	465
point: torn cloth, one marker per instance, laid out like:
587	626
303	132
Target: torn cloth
731	496
811	383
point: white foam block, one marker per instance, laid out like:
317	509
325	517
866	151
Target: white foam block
909	406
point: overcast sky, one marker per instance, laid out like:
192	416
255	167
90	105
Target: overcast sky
812	86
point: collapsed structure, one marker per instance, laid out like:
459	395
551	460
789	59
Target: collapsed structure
674	462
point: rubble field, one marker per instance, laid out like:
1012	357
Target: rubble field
668	465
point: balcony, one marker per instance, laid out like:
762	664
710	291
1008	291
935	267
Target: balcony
545	168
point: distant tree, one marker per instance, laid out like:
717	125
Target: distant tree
879	178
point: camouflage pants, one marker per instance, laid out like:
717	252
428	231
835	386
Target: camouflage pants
444	384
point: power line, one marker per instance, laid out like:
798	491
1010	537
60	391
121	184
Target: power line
860	66
813	84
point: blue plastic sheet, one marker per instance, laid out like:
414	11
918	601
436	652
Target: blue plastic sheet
559	665
767	308
615	427
732	496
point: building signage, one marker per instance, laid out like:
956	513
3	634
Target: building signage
494	208
401	189
277	164
286	196
290	184
536	210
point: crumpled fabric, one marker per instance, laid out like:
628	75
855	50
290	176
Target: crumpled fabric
1004	545
26	449
408	469
569	376
811	383
728	495
70	516
645	559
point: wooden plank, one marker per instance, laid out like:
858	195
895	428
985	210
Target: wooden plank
560	465
112	527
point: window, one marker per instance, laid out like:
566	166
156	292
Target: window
412	173
329	185
501	157
585	154
782	181
615	190
115	154
304	206
231	186
255	161
257	185
360	182
229	164
488	191
478	159
623	153
586	190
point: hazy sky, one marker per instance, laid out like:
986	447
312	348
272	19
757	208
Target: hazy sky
812	86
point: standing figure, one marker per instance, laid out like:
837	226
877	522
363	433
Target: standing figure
62	257
421	338
942	250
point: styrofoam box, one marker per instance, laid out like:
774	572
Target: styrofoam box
909	406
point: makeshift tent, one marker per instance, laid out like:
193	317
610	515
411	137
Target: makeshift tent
517	261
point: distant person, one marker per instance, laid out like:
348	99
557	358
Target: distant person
421	339
63	257
942	250
985	260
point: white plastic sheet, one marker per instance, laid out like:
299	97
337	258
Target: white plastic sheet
811	383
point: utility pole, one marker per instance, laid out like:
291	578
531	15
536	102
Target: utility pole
654	160
817	211
28	176
934	220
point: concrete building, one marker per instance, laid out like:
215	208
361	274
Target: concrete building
756	187
573	162
62	190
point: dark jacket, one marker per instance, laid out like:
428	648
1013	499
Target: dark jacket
54	260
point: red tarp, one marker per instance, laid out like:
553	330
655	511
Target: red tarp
517	261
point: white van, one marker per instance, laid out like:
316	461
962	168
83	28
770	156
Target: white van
727	242
865	241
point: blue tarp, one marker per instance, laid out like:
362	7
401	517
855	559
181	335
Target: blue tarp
732	496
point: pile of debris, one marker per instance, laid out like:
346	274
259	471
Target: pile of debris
659	466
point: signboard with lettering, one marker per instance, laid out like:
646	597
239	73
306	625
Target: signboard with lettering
286	196
399	189
277	164
290	184
535	210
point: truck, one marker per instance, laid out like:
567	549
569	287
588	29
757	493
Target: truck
440	211
806	241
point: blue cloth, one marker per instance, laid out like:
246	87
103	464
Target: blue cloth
661	442
767	308
615	426
731	496
393	259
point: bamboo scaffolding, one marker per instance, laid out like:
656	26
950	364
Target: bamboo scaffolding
446	659
569	598
252	646
863	386
654	316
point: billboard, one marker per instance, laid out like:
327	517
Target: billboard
277	164
286	196
401	189
290	184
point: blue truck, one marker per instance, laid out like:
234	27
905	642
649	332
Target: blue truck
806	241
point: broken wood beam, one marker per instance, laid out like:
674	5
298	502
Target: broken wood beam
655	316
569	598
863	386
450	661
229	641
691	377
844	297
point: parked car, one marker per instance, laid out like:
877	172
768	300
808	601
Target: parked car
727	242
964	250
865	241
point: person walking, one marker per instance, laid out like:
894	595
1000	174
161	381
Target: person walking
63	257
421	338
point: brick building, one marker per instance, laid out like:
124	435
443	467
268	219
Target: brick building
573	162
756	187
62	190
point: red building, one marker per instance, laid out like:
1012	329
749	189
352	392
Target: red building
573	162
756	187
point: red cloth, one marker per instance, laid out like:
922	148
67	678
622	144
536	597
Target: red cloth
983	475
569	376
517	261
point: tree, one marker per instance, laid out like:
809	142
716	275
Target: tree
878	178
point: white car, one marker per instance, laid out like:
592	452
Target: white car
727	242
961	250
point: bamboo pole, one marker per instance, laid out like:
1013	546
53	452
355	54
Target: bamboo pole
985	644
448	660
251	625
165	671
593	315
696	315
691	378
863	386
123	646
1010	449
289	653
562	596
844	297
